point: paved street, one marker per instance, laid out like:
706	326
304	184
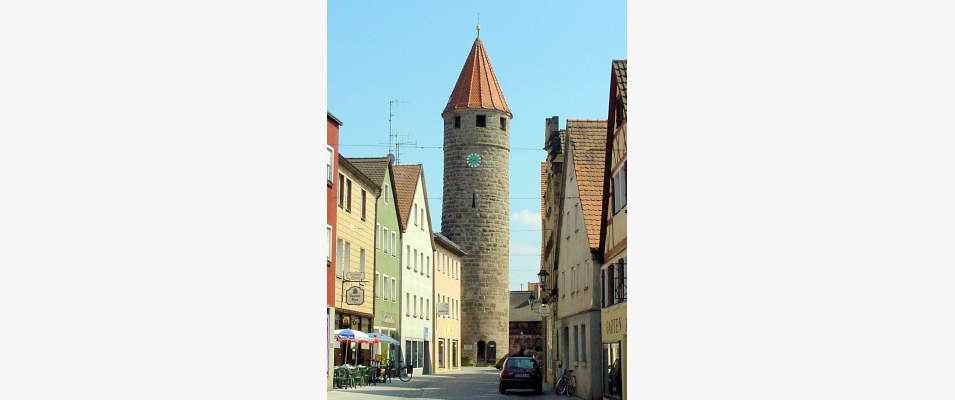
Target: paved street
471	383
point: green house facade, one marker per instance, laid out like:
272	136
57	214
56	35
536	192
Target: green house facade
387	311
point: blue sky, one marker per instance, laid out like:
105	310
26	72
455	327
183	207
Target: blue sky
551	58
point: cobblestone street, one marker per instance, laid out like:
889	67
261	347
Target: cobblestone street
471	383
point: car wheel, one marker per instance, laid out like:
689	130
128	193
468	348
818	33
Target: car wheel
501	389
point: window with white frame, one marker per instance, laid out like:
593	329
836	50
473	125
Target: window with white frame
620	189
329	164
328	239
339	258
347	258
361	261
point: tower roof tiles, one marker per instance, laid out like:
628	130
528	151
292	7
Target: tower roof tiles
477	86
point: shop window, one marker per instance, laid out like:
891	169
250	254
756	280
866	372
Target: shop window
613	370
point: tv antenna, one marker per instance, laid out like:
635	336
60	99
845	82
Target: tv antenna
394	139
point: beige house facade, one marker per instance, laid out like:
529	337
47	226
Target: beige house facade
447	299
354	259
578	265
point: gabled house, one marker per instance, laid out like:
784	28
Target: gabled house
613	239
387	311
578	265
417	280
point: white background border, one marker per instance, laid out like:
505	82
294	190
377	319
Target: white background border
792	228
162	220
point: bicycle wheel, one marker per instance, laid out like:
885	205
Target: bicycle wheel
572	386
403	374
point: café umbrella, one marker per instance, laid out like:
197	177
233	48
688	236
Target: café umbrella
351	335
383	338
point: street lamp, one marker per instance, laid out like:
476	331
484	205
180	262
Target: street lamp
542	278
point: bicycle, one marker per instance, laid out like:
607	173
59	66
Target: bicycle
566	384
401	371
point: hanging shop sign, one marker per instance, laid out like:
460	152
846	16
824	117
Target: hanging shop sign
355	296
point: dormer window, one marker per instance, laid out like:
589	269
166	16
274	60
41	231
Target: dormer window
482	121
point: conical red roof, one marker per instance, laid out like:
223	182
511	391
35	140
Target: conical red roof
477	85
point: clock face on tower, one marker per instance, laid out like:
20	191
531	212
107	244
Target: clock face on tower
474	160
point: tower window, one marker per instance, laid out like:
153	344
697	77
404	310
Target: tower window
481	121
473	200
503	124
457	121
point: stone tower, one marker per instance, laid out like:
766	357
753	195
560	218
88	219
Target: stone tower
475	204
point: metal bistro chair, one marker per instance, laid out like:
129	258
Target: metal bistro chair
351	377
343	379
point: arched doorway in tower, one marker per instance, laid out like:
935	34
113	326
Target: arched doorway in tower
491	352
480	354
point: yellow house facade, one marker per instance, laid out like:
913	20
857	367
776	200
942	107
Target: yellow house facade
447	299
355	260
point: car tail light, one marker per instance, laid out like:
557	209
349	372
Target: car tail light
505	373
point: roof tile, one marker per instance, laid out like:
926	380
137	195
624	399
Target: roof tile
589	138
477	86
406	180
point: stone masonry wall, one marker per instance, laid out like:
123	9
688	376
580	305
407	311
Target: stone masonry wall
476	217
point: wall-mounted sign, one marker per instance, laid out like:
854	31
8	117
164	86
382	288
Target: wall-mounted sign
443	309
389	319
544	309
355	276
613	323
355	296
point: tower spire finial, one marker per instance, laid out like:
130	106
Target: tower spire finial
478	26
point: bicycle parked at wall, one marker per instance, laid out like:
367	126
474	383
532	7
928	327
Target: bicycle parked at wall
400	370
566	384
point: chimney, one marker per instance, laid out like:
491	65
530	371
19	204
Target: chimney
552	137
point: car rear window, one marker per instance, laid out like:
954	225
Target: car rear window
519	363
